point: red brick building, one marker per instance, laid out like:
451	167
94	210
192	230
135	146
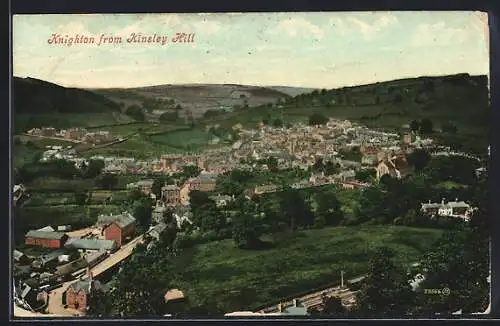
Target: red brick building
78	294
120	228
46	239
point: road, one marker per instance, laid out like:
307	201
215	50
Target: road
56	138
55	307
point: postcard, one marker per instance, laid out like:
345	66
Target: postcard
281	165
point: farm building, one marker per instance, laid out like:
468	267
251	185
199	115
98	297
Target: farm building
119	228
91	244
79	293
45	239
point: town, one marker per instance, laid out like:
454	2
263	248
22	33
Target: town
61	281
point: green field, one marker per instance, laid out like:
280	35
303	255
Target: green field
246	279
23	122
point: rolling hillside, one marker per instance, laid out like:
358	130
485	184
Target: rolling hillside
197	98
38	103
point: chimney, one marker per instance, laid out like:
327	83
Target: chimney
295	302
280	307
442	201
456	199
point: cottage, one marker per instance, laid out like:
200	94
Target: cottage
396	167
119	228
45	239
79	293
171	194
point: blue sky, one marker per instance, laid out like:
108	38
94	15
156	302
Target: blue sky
323	50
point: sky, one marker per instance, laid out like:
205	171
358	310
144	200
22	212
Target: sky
320	50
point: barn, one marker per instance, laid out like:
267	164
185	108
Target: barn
121	229
46	239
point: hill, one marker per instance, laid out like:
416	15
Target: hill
196	98
39	103
290	90
460	100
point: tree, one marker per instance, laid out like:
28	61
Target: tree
93	169
332	306
107	181
419	159
317	119
136	112
415	125
272	164
190	170
296	210
142	211
426	126
245	231
169	116
158	183
366	175
81	196
278	123
398	98
386	291
318	165
449	127
328	208
330	168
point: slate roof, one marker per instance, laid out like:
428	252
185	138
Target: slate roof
91	244
122	220
170	187
45	235
84	285
148	182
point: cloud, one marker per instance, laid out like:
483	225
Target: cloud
73	28
298	26
208	26
441	34
369	28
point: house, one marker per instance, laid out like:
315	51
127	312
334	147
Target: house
119	228
91	244
45	239
221	200
452	209
145	186
171	194
396	167
78	294
204	182
158	212
20	258
155	231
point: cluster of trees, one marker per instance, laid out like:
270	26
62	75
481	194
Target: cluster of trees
387	293
170	116
328	167
317	119
424	126
136	112
58	168
158	104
